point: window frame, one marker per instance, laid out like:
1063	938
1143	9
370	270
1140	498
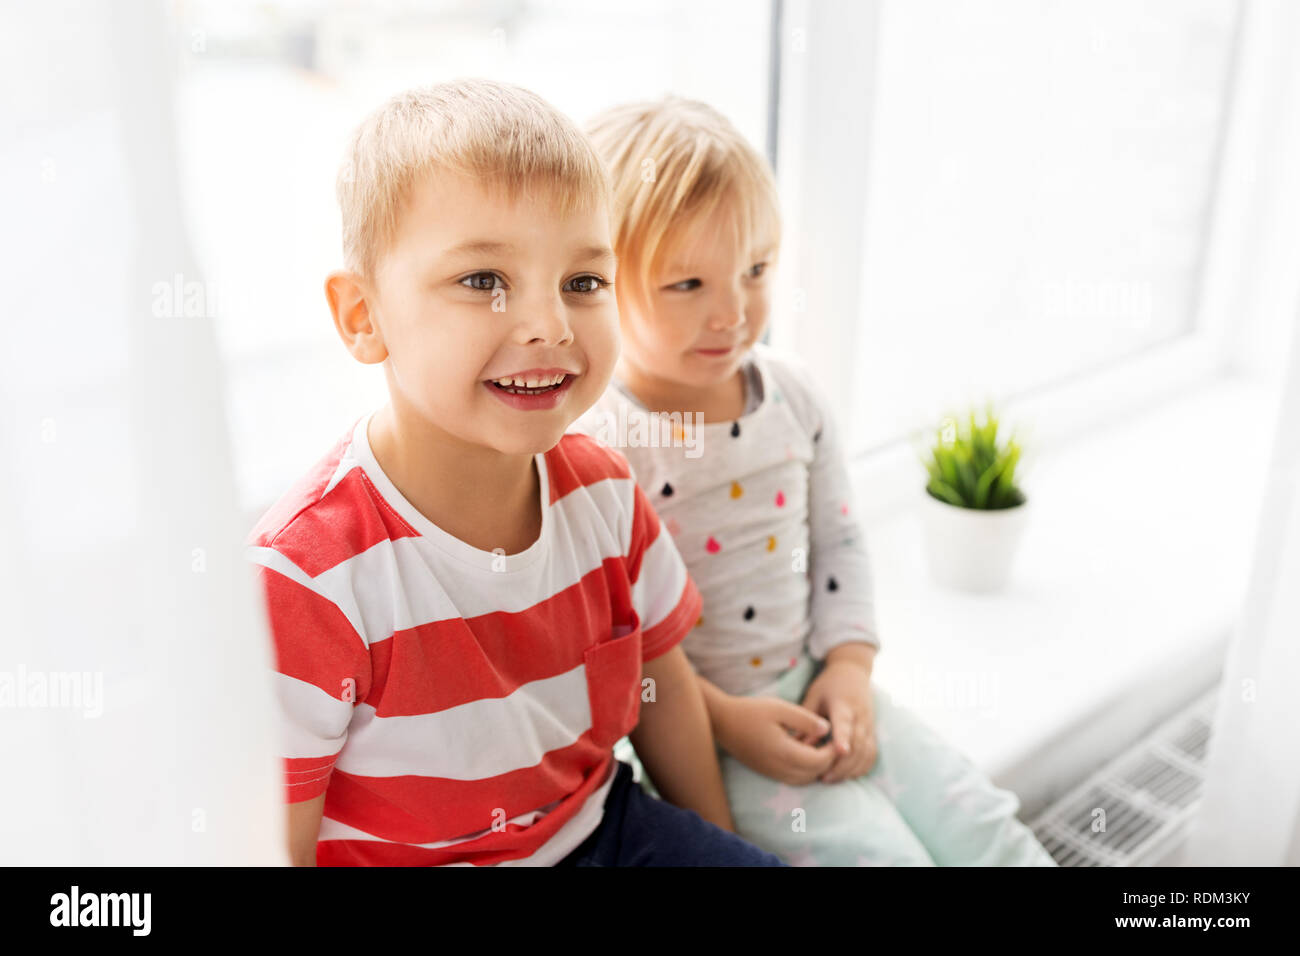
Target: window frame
826	55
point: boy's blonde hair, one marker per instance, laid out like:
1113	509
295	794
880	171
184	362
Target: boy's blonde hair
503	135
672	163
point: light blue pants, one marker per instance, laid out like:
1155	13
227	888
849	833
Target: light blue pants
923	803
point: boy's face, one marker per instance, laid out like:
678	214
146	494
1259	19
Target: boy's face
476	287
708	303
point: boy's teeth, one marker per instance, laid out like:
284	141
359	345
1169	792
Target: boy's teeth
516	382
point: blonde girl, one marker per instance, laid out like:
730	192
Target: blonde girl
746	471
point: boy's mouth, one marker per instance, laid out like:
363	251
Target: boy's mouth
533	392
514	388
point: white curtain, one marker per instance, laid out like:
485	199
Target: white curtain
135	705
1250	814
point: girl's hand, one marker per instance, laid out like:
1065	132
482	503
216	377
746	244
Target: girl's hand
842	692
764	733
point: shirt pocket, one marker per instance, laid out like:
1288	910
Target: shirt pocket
614	684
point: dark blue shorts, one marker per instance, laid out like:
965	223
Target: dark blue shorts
638	830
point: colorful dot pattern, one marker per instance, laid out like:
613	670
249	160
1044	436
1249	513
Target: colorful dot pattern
739	515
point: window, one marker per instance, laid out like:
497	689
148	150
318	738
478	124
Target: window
1034	196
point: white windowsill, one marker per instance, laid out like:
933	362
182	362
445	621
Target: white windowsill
1122	599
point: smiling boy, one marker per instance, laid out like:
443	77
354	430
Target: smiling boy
469	607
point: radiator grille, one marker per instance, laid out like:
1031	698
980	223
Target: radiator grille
1138	804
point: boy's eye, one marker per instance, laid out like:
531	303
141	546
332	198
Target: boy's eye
687	285
586	284
756	270
483	281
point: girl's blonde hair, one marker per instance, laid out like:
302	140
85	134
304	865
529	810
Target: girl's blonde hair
503	135
672	163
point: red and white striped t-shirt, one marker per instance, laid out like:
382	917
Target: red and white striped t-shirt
454	705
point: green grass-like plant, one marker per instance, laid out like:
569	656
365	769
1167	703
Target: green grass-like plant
968	468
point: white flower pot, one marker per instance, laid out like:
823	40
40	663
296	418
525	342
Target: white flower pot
969	549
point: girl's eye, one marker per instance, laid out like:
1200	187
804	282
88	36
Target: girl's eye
688	285
585	285
483	281
757	269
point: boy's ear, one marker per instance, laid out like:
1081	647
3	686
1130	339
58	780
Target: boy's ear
347	296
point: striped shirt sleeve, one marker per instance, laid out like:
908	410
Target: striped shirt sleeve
322	672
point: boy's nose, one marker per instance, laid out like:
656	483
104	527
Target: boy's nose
545	322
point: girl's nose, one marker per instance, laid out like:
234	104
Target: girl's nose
728	312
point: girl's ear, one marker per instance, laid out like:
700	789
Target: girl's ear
349	301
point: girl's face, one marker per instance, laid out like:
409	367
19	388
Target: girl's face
707	304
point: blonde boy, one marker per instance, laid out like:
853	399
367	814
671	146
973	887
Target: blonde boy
464	600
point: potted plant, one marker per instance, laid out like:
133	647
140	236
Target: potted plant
973	512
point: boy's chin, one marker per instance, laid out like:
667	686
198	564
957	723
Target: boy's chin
530	442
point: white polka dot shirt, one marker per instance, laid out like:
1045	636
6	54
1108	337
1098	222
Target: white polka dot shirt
760	509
